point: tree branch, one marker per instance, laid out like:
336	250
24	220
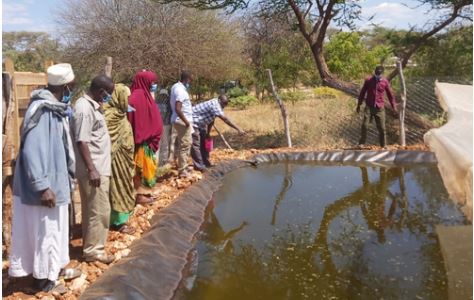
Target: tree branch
309	9
320	7
300	18
325	22
423	39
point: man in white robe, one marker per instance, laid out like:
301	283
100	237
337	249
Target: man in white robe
42	184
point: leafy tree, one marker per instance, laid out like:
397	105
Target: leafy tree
348	56
290	61
313	18
447	54
29	50
271	43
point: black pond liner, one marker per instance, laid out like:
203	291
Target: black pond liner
154	267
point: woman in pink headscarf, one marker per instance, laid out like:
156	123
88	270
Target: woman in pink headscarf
147	128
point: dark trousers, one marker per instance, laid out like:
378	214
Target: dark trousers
378	114
199	153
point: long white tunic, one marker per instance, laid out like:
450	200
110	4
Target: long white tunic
40	240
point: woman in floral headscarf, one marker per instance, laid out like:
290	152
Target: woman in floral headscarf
123	167
147	128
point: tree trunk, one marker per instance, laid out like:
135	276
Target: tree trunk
328	78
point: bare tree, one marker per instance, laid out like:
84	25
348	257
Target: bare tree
141	34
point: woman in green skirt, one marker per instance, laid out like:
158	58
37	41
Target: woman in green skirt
122	198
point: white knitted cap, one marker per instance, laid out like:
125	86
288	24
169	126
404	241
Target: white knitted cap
60	74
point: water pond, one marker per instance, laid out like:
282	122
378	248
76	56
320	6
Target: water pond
312	231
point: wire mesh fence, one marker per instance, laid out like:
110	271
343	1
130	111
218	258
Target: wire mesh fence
333	122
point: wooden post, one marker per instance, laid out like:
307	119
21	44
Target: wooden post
47	64
282	109
223	138
108	67
401	115
9	66
10	123
14	134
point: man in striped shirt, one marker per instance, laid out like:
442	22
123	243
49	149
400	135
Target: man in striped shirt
204	115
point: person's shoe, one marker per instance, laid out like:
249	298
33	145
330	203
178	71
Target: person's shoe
145	199
103	258
202	170
70	273
184	174
125	229
50	286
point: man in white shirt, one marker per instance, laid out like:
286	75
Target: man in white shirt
182	118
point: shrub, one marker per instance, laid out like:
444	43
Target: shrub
292	97
237	92
242	102
326	92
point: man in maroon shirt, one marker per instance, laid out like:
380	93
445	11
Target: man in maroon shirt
373	93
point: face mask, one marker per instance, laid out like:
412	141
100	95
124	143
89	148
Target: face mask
106	98
187	85
154	88
378	76
67	99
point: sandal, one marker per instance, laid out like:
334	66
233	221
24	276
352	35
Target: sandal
54	287
144	199
70	273
126	229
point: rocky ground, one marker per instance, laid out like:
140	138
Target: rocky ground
170	188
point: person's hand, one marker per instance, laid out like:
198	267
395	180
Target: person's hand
187	124
358	109
94	178
48	198
242	132
395	109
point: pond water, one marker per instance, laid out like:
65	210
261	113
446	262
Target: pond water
309	231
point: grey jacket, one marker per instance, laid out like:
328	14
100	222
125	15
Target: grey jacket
46	157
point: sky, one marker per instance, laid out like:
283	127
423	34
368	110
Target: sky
37	15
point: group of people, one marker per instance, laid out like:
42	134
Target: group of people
186	127
107	143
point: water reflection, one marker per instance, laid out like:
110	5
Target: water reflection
374	242
285	187
214	235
